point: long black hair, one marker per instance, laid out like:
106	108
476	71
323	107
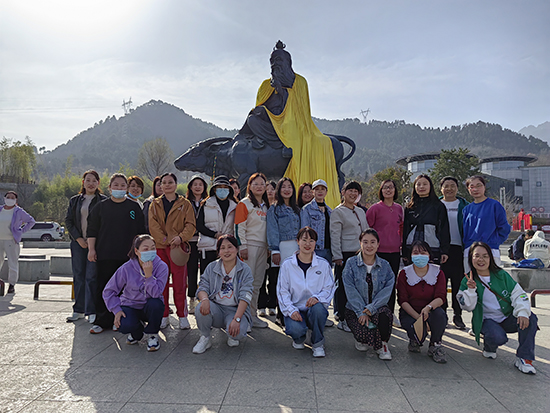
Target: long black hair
493	267
279	200
416	198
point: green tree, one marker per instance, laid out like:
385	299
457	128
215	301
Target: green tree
399	175
17	159
457	163
155	157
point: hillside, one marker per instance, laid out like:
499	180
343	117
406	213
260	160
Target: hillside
113	142
541	131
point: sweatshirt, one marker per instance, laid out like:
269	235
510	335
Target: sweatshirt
388	222
538	247
251	224
486	222
346	225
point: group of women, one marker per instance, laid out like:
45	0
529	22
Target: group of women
302	237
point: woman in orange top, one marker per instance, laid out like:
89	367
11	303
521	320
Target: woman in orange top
171	223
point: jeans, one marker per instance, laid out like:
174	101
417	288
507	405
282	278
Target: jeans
84	279
220	316
494	335
437	320
326	254
151	313
313	318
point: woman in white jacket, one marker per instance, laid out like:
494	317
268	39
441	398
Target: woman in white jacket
304	290
499	306
216	217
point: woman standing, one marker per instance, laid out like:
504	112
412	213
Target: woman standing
225	291
305	290
172	223
386	217
483	220
421	292
251	230
454	266
112	225
283	224
369	283
499	306
305	194
196	193
14	222
157	191
425	219
134	293
347	222
216	218
135	189
84	271
271	191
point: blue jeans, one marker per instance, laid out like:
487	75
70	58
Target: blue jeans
494	335
84	279
313	318
151	314
326	254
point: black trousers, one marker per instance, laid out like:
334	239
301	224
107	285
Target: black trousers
268	292
209	256
193	270
340	298
105	270
454	271
394	259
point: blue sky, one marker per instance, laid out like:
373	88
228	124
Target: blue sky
65	65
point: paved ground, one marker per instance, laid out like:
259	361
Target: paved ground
48	365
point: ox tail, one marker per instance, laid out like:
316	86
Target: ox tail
351	144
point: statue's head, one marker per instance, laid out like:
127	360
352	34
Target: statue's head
282	74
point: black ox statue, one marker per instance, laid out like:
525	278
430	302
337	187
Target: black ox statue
240	157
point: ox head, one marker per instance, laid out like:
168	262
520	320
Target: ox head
200	156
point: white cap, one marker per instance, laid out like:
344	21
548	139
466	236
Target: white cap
319	182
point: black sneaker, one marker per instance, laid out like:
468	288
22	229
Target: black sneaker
11	289
457	321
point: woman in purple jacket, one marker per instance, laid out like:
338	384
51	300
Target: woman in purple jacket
14	222
134	293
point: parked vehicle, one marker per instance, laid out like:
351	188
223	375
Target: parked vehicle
45	231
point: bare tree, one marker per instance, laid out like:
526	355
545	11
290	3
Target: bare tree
155	157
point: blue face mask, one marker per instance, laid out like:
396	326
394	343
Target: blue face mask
222	193
420	260
148	255
118	193
133	197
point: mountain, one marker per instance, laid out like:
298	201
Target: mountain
542	131
113	142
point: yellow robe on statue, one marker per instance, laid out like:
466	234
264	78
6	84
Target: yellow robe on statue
312	153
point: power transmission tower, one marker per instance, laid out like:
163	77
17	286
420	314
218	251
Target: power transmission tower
127	106
365	114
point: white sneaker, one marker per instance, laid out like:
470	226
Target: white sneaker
184	323
298	346
361	346
342	325
489	354
384	352
192	305
471	332
153	343
231	342
91	318
165	322
96	329
319	351
115	328
271	311
525	366
202	345
131	340
257	323
262	313
75	316
396	322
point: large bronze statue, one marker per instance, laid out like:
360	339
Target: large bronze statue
278	138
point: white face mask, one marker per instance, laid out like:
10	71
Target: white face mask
9	202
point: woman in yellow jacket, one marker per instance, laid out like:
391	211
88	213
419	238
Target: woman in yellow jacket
171	223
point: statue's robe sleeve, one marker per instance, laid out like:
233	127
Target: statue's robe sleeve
312	153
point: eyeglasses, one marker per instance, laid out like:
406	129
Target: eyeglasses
388	187
255	184
477	186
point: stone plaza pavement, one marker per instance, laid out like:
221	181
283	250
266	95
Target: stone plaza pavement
49	365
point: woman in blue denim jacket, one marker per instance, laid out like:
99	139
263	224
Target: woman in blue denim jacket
283	224
369	282
316	215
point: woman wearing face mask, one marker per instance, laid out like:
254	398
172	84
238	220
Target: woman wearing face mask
134	293
14	222
112	225
216	218
425	219
283	224
135	189
369	282
157	191
251	231
305	194
196	193
172	222
84	271
421	292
